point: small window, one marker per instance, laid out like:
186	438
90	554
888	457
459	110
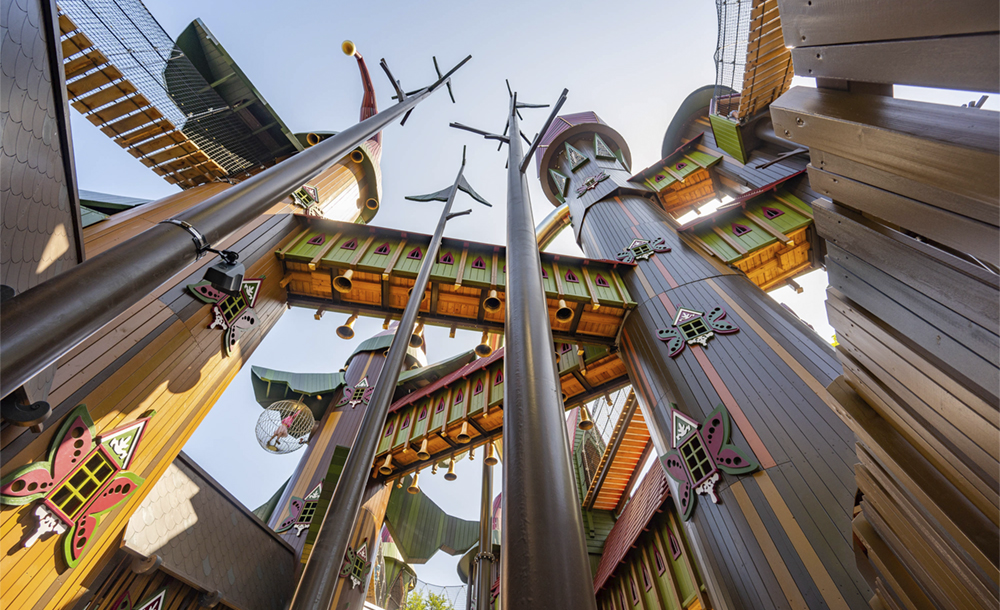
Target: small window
319	240
600	281
680	166
545	274
440	406
646	580
423	414
307	513
694	328
359	393
350	245
383	249
415	254
72	495
479	263
447	259
479	388
661	566
659	178
621	598
642	249
571	277
499	378
565	347
675	547
697	459
459	397
406	421
772	213
388	431
635	590
739	229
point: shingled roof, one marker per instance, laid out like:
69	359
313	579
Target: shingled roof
653	491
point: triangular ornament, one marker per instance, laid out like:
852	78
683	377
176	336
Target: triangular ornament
362	384
121	443
576	158
602	150
561	182
155	602
315	493
251	288
684	315
683	427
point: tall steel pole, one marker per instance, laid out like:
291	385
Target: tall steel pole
544	562
41	324
485	558
319	579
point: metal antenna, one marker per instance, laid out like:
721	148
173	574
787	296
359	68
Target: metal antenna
443	79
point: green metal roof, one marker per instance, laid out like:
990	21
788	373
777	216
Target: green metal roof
91	217
265	510
107	203
420	528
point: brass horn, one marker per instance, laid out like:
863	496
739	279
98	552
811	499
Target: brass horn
450	475
343	283
585	422
371	203
564	313
386	467
312	139
422	453
558	356
414	487
491	458
348	47
417	338
472	454
483	349
492	303
346	331
463	435
399	483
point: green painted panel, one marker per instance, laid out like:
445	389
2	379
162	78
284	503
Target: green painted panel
478	388
341	255
568	360
660	180
440	410
442	271
685	583
378	255
403	432
496	383
304	251
420	528
717	244
385	442
575	289
727	137
329	484
423	411
458	400
409	267
501	272
548	279
606	295
478	269
787	222
704	158
756	238
683	167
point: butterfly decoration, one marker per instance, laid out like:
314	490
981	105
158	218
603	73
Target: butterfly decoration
153	602
700	452
356	565
300	511
84	478
692	327
642	249
591	183
360	394
234	313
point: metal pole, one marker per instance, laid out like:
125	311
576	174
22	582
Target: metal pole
485	558
468	585
41	324
319	579
544	562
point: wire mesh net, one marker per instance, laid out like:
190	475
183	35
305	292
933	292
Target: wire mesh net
730	54
285	426
135	43
427	596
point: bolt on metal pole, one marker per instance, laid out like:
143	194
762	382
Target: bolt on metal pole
41	324
319	579
485	558
544	563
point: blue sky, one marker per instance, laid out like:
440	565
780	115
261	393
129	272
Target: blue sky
632	63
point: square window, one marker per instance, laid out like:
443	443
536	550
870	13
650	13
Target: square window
697	459
694	328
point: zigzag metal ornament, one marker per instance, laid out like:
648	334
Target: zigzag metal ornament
360	394
694	327
700	452
642	249
81	482
234	313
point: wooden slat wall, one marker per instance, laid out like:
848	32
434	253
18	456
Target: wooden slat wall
912	259
772	377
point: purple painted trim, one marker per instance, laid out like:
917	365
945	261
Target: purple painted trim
600	281
447	259
478	263
771	213
351	245
415	254
675	547
319	240
571	277
383	249
739	229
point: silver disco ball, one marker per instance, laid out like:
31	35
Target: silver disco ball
285	426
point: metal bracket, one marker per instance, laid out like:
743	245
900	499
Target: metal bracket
200	241
480	556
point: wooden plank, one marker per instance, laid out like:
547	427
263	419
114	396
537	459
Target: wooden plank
735	245
953	148
763	223
330	243
461	266
392	262
832	23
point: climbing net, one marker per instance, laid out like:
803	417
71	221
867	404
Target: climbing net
730	54
425	595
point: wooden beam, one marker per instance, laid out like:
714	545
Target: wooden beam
461	266
594	302
735	245
361	252
617	436
634	477
763	223
330	243
393	260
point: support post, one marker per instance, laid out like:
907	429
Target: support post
485	558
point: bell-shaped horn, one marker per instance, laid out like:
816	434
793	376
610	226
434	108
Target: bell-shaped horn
312	139
492	303
491	458
472	454
558	357
483	349
343	283
434	468
564	313
585	422
414	487
450	475
463	435
371	203
607	399
319	313
580	351
386	467
348	47
417	338
422	453
399	483
346	331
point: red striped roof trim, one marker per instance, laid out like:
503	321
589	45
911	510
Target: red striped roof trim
465	371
